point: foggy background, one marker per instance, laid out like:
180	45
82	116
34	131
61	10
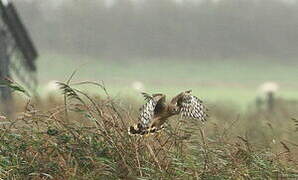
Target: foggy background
164	28
220	48
238	56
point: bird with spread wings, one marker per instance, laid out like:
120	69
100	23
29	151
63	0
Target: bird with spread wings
155	112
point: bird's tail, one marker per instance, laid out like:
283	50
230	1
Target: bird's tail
138	129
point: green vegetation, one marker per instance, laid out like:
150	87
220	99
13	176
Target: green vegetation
213	80
85	137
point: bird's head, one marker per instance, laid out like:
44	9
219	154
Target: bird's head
174	109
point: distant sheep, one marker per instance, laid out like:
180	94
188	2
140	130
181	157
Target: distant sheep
51	88
267	89
138	86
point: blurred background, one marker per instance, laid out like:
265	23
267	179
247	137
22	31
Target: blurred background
231	51
238	56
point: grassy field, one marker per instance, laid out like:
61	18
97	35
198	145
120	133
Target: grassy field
85	137
213	80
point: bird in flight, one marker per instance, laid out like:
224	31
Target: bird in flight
154	113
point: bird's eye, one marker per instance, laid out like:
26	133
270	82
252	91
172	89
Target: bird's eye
176	109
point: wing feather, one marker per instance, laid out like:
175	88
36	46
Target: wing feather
147	111
191	106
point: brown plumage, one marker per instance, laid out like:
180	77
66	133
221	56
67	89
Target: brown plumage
156	111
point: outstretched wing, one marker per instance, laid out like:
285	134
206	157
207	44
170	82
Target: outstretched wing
190	106
148	110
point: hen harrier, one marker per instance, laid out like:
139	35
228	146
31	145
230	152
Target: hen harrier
155	112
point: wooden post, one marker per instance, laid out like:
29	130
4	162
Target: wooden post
259	103
270	101
6	96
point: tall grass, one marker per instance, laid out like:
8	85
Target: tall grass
84	137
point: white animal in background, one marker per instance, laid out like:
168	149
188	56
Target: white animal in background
51	88
267	95
138	86
268	87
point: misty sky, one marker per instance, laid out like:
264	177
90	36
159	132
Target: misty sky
228	28
109	3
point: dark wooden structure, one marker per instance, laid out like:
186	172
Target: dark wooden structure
17	53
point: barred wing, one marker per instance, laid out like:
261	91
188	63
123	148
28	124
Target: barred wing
192	107
148	110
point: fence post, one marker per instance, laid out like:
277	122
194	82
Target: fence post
6	96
